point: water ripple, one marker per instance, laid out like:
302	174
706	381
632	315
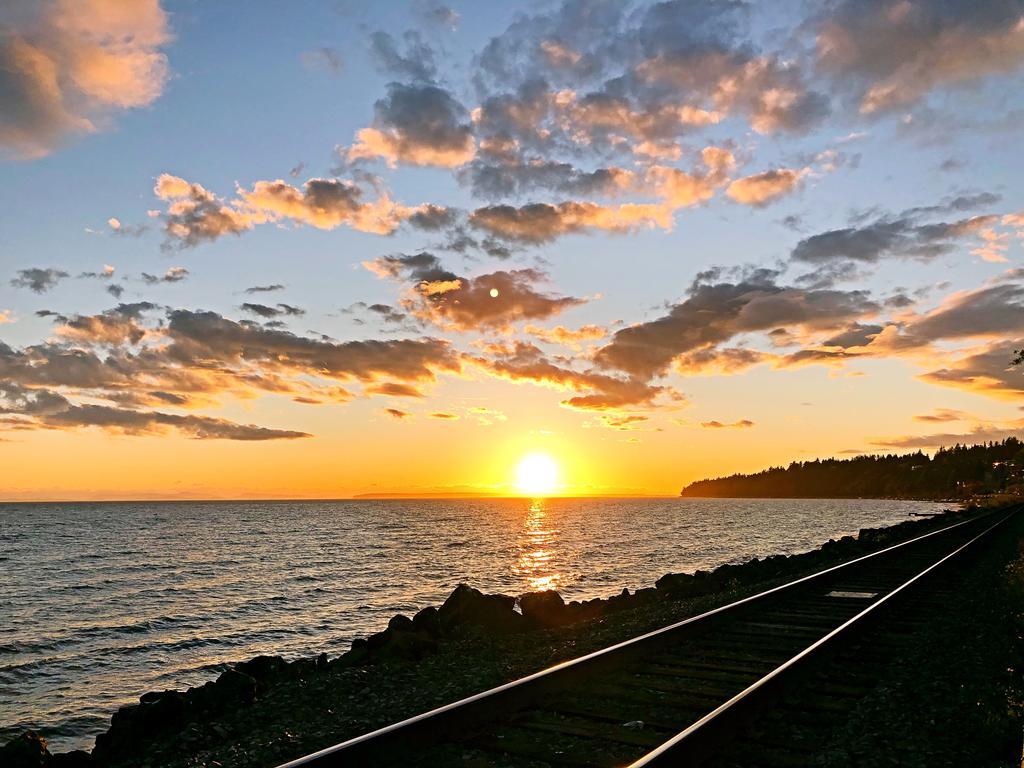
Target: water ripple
102	602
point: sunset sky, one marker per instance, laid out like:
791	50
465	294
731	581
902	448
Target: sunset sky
319	249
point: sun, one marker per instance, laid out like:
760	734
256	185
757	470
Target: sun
536	474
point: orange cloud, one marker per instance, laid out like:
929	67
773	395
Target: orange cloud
1014	219
944	415
494	300
416	124
894	54
188	361
980	433
67	64
719	361
741	424
770	93
766	187
543	222
986	371
626	422
994	245
393	389
324	204
559	55
394	148
653	124
194	214
521	362
567	337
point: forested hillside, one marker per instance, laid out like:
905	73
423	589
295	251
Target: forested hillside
955	472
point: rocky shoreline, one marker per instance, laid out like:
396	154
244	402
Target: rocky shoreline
267	710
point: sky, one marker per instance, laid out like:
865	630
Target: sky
324	249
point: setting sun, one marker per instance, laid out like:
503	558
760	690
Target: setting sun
536	474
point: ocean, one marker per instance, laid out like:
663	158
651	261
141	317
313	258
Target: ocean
101	602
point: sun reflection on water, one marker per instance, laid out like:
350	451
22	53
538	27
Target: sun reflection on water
538	547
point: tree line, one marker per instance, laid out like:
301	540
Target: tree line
952	473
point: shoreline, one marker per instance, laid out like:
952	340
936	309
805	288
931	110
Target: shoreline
175	726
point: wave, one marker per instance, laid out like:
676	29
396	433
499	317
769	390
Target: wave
178	596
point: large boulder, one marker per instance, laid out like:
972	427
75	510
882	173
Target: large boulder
27	750
234	687
682	585
645	595
408	645
466	606
160	709
589	609
262	667
135	725
620	601
120	733
400	623
427	621
401	640
544	609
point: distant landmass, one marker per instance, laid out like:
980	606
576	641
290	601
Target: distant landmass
953	473
426	495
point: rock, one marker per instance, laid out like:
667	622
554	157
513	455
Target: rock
262	667
234	686
407	646
353	658
679	585
645	595
202	697
378	640
159	710
124	718
427	621
401	640
25	751
544	609
400	623
135	725
466	606
589	609
300	669
121	733
620	601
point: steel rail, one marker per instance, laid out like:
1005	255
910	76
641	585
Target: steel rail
336	755
670	751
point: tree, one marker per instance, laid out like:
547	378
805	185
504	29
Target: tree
957	471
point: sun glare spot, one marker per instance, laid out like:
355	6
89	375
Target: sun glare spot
536	474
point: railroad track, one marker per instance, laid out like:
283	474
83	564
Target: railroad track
679	695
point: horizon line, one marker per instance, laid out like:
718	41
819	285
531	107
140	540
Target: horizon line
357	497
